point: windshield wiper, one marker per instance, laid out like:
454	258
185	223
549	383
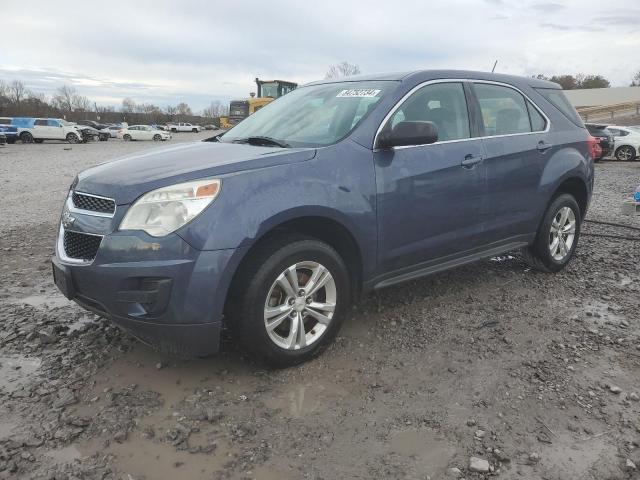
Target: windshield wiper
257	140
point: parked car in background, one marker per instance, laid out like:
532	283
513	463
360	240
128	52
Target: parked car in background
90	133
184	127
144	132
93	124
626	142
604	137
10	133
210	126
40	129
3	139
354	186
114	131
158	126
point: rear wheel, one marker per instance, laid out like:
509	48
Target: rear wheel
557	236
289	299
157	137
26	137
126	137
625	153
72	138
194	130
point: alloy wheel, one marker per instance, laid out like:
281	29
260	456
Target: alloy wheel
562	233
625	153
300	305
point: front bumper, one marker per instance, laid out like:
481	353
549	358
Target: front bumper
161	290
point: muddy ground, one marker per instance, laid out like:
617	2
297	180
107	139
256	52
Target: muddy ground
538	375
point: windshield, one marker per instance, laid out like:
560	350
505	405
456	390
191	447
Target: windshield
313	116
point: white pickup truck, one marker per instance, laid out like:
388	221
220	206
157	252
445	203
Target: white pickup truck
184	127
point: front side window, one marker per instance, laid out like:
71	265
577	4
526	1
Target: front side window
53	123
443	104
312	116
504	111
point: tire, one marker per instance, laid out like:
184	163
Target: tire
625	153
126	138
542	255
26	137
157	137
38	140
257	288
174	130
72	138
194	130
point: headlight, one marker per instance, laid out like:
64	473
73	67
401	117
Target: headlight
166	209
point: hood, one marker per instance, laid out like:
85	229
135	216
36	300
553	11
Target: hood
127	178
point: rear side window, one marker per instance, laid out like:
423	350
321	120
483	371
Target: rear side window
444	104
538	122
5	121
40	123
504	111
558	99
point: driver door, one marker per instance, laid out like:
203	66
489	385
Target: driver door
431	198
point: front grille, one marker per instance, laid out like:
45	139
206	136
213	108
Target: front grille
81	246
93	204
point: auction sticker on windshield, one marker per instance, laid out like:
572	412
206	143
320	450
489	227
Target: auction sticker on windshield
359	93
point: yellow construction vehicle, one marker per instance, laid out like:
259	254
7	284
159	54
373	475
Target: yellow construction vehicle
268	91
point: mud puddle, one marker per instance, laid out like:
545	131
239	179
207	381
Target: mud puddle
429	450
16	371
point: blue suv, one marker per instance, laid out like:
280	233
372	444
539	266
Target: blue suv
273	228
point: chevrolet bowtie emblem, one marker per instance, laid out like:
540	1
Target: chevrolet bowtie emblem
67	219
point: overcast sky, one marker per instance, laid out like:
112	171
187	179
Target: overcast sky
165	52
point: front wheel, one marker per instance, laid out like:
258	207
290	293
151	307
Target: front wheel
126	138
557	236
72	138
625	153
289	300
157	137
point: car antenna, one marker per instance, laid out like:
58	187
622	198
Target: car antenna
494	66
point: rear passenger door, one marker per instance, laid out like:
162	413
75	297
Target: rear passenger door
55	130
516	149
41	130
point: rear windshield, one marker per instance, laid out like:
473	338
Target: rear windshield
558	99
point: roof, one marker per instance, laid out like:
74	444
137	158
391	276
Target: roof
426	75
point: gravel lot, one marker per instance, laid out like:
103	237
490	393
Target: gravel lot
488	367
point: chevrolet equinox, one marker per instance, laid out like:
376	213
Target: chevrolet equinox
273	228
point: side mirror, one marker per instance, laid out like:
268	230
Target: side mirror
408	133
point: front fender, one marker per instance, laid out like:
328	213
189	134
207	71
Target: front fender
336	185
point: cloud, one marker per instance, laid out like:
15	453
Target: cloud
164	51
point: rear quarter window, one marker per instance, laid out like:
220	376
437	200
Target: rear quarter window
559	100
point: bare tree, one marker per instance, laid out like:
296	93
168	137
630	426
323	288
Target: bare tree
63	99
128	105
4	89
215	109
80	103
636	80
17	93
184	109
344	69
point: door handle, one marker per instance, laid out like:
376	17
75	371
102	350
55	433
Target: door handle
471	161
543	146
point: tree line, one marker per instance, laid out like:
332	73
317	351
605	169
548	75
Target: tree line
18	101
